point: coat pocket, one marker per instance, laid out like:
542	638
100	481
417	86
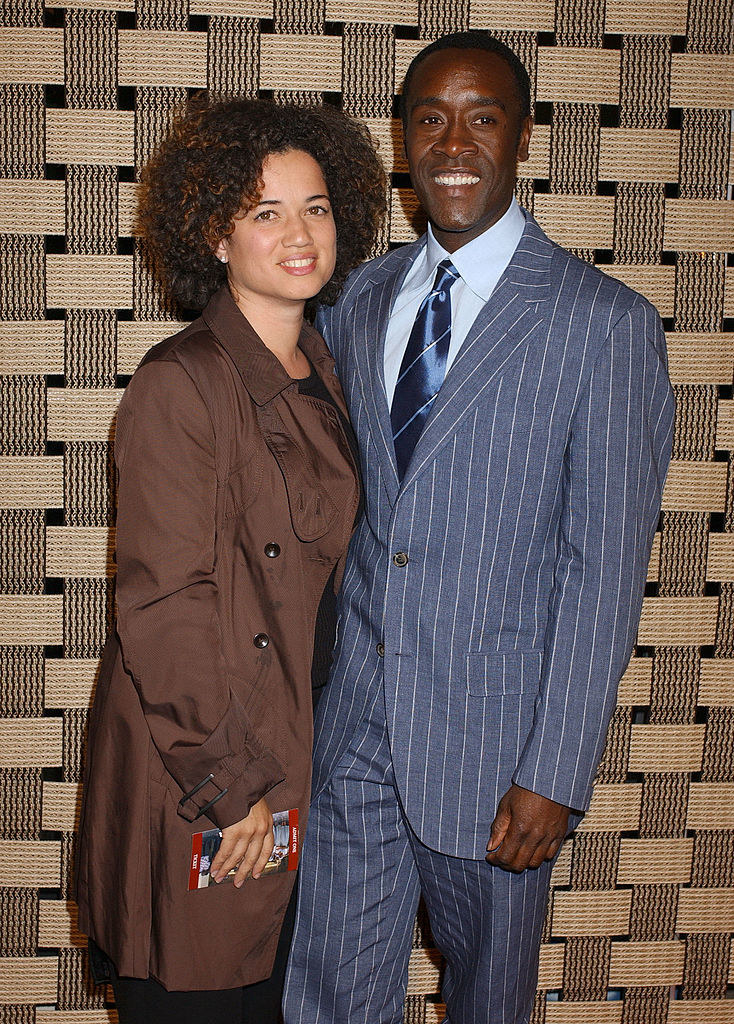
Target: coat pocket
242	486
496	675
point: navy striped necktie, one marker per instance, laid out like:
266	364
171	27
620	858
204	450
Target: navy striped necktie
424	365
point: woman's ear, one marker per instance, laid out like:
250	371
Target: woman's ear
221	252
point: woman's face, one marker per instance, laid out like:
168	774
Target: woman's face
283	250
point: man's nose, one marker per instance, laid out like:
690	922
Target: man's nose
456	139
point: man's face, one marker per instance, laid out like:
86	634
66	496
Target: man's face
463	137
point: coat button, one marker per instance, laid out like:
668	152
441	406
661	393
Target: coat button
400	559
261	640
381	650
272	550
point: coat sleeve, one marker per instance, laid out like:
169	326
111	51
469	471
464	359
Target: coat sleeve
614	470
167	618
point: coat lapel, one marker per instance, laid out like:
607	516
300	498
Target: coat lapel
370	316
512	317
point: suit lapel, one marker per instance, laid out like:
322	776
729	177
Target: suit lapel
512	317
371	313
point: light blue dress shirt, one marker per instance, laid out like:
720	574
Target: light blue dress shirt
480	263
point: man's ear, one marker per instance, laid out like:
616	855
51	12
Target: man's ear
523	143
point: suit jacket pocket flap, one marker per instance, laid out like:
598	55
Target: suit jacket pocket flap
497	674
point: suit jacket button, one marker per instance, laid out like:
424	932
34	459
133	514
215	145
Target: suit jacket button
261	640
272	550
381	650
400	559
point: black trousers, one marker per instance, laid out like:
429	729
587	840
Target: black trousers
145	1001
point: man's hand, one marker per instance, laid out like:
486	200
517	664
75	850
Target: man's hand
527	829
245	845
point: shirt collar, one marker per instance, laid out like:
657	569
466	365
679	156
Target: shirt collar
479	260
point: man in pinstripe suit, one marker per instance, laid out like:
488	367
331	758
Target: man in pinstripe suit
493	590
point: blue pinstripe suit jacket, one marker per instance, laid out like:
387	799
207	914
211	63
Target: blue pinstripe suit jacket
527	514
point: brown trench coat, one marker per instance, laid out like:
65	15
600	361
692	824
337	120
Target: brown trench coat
218	457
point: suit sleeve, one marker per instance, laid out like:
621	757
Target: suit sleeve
167	619
321	320
614	470
323	324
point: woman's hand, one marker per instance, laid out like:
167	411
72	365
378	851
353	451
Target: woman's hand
245	845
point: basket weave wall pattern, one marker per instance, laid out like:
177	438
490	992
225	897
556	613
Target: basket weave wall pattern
630	164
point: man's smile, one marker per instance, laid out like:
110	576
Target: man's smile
456	178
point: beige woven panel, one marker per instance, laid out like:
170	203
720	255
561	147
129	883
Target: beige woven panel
630	164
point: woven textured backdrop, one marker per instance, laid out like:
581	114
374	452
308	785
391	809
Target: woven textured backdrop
630	164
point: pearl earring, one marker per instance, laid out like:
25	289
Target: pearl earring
222	259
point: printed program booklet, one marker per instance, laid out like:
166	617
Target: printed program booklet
204	846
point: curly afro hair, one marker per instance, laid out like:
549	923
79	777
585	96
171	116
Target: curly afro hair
209	168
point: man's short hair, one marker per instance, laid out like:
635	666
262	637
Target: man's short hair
474	40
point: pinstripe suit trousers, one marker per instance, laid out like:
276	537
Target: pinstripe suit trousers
362	872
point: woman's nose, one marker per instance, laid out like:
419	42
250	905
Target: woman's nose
297	232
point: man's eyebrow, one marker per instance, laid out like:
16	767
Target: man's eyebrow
476	101
277	202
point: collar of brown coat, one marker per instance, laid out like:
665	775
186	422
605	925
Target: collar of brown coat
262	373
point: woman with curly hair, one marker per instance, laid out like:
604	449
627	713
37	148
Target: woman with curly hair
238	491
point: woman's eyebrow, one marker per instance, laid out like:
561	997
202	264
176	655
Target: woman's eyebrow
277	202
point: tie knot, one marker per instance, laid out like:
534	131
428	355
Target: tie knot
446	274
